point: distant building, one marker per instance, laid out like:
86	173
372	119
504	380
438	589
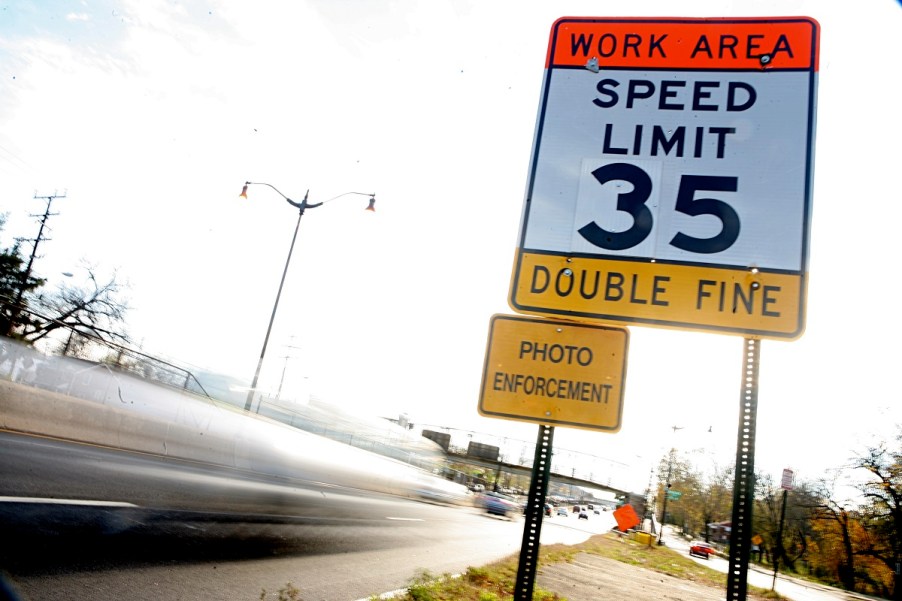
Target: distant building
719	532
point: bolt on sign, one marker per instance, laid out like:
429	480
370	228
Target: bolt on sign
671	174
554	373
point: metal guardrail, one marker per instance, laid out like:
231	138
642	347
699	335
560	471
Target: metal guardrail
78	364
25	363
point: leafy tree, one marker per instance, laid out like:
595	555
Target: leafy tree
674	474
841	520
787	545
766	513
851	542
705	494
798	530
15	285
881	515
94	310
715	498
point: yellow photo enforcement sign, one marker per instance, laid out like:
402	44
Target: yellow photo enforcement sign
555	373
671	174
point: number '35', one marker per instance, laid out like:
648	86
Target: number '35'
633	202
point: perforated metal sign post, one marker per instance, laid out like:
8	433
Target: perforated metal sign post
744	480
535	510
671	172
551	372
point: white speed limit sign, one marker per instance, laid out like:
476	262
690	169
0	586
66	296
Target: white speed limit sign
670	182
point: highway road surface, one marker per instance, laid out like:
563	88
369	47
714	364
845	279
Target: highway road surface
103	551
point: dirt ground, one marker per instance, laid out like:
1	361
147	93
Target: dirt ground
593	578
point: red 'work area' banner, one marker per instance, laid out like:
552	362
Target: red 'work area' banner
724	44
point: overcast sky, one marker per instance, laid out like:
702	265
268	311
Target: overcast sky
151	115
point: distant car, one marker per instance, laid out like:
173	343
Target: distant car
583	515
498	504
562	511
548	509
702	549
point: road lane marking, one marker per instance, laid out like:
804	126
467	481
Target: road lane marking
48	501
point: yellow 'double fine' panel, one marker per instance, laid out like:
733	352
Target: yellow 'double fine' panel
755	303
555	373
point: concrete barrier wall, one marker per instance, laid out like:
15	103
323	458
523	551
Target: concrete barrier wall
94	404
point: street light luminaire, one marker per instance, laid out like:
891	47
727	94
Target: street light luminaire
301	207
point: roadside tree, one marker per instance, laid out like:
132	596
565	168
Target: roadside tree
96	309
15	284
881	513
716	498
783	547
675	478
838	530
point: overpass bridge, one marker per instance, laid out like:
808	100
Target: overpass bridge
557	481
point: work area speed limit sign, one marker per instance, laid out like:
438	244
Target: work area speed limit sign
671	175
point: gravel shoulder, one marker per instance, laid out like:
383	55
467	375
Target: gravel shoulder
590	577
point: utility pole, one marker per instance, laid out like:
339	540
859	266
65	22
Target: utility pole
34	253
786	483
778	550
666	496
285	367
667	487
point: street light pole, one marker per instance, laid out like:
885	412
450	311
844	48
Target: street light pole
667	487
666	496
301	207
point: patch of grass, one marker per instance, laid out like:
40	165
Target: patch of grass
652	557
495	581
663	560
492	582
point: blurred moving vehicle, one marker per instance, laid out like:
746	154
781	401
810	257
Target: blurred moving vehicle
701	549
562	511
583	515
499	504
185	451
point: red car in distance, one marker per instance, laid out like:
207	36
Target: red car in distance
702	549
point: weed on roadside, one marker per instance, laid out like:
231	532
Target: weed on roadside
289	592
493	582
